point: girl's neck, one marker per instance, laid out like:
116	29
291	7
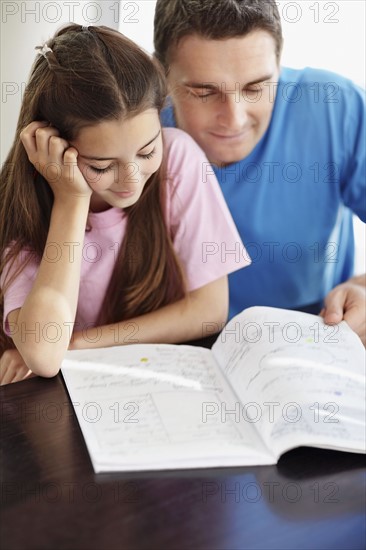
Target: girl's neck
98	205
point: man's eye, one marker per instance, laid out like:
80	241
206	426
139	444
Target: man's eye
252	90
201	94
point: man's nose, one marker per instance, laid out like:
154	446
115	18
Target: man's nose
233	111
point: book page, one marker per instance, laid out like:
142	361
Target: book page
300	382
157	406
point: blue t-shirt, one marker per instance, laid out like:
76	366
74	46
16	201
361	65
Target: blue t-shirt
293	196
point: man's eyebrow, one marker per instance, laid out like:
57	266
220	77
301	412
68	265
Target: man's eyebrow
206	85
261	79
110	158
213	86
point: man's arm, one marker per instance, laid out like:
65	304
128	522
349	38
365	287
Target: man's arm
347	302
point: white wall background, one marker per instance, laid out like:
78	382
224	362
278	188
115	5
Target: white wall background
322	34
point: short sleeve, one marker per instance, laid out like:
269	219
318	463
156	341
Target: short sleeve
16	292
204	235
354	172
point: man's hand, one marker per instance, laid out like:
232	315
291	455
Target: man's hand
347	302
13	368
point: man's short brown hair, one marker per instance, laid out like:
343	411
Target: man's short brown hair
212	19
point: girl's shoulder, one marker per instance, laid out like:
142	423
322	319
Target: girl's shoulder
180	146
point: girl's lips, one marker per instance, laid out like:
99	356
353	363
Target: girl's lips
124	194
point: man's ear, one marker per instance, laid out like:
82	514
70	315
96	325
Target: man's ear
164	69
170	84
280	53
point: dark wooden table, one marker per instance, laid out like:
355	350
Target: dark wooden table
51	498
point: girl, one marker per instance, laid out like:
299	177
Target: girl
111	231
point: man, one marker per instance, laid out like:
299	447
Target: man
287	146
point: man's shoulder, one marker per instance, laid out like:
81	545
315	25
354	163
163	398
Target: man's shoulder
310	76
319	92
167	114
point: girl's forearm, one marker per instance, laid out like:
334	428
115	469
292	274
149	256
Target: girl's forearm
185	320
46	318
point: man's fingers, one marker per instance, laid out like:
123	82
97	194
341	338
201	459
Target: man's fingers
332	317
354	318
348	302
334	307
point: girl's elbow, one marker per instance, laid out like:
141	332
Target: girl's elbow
215	311
221	311
42	363
213	302
219	302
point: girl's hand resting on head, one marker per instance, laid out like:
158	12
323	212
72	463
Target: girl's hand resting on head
55	160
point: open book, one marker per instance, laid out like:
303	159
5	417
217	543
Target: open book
274	380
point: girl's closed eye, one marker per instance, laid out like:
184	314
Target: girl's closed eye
148	155
101	170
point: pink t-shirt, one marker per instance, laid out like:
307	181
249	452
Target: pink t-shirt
205	238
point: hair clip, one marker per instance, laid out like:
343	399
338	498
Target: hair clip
85	28
43	50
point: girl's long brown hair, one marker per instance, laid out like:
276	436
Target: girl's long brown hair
92	75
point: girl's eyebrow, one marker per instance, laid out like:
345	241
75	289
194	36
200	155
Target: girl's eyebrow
109	158
153	139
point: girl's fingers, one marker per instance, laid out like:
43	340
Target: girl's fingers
70	162
56	148
32	127
55	168
35	138
28	136
13	369
7	375
43	136
10	363
70	155
2	378
21	374
53	157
